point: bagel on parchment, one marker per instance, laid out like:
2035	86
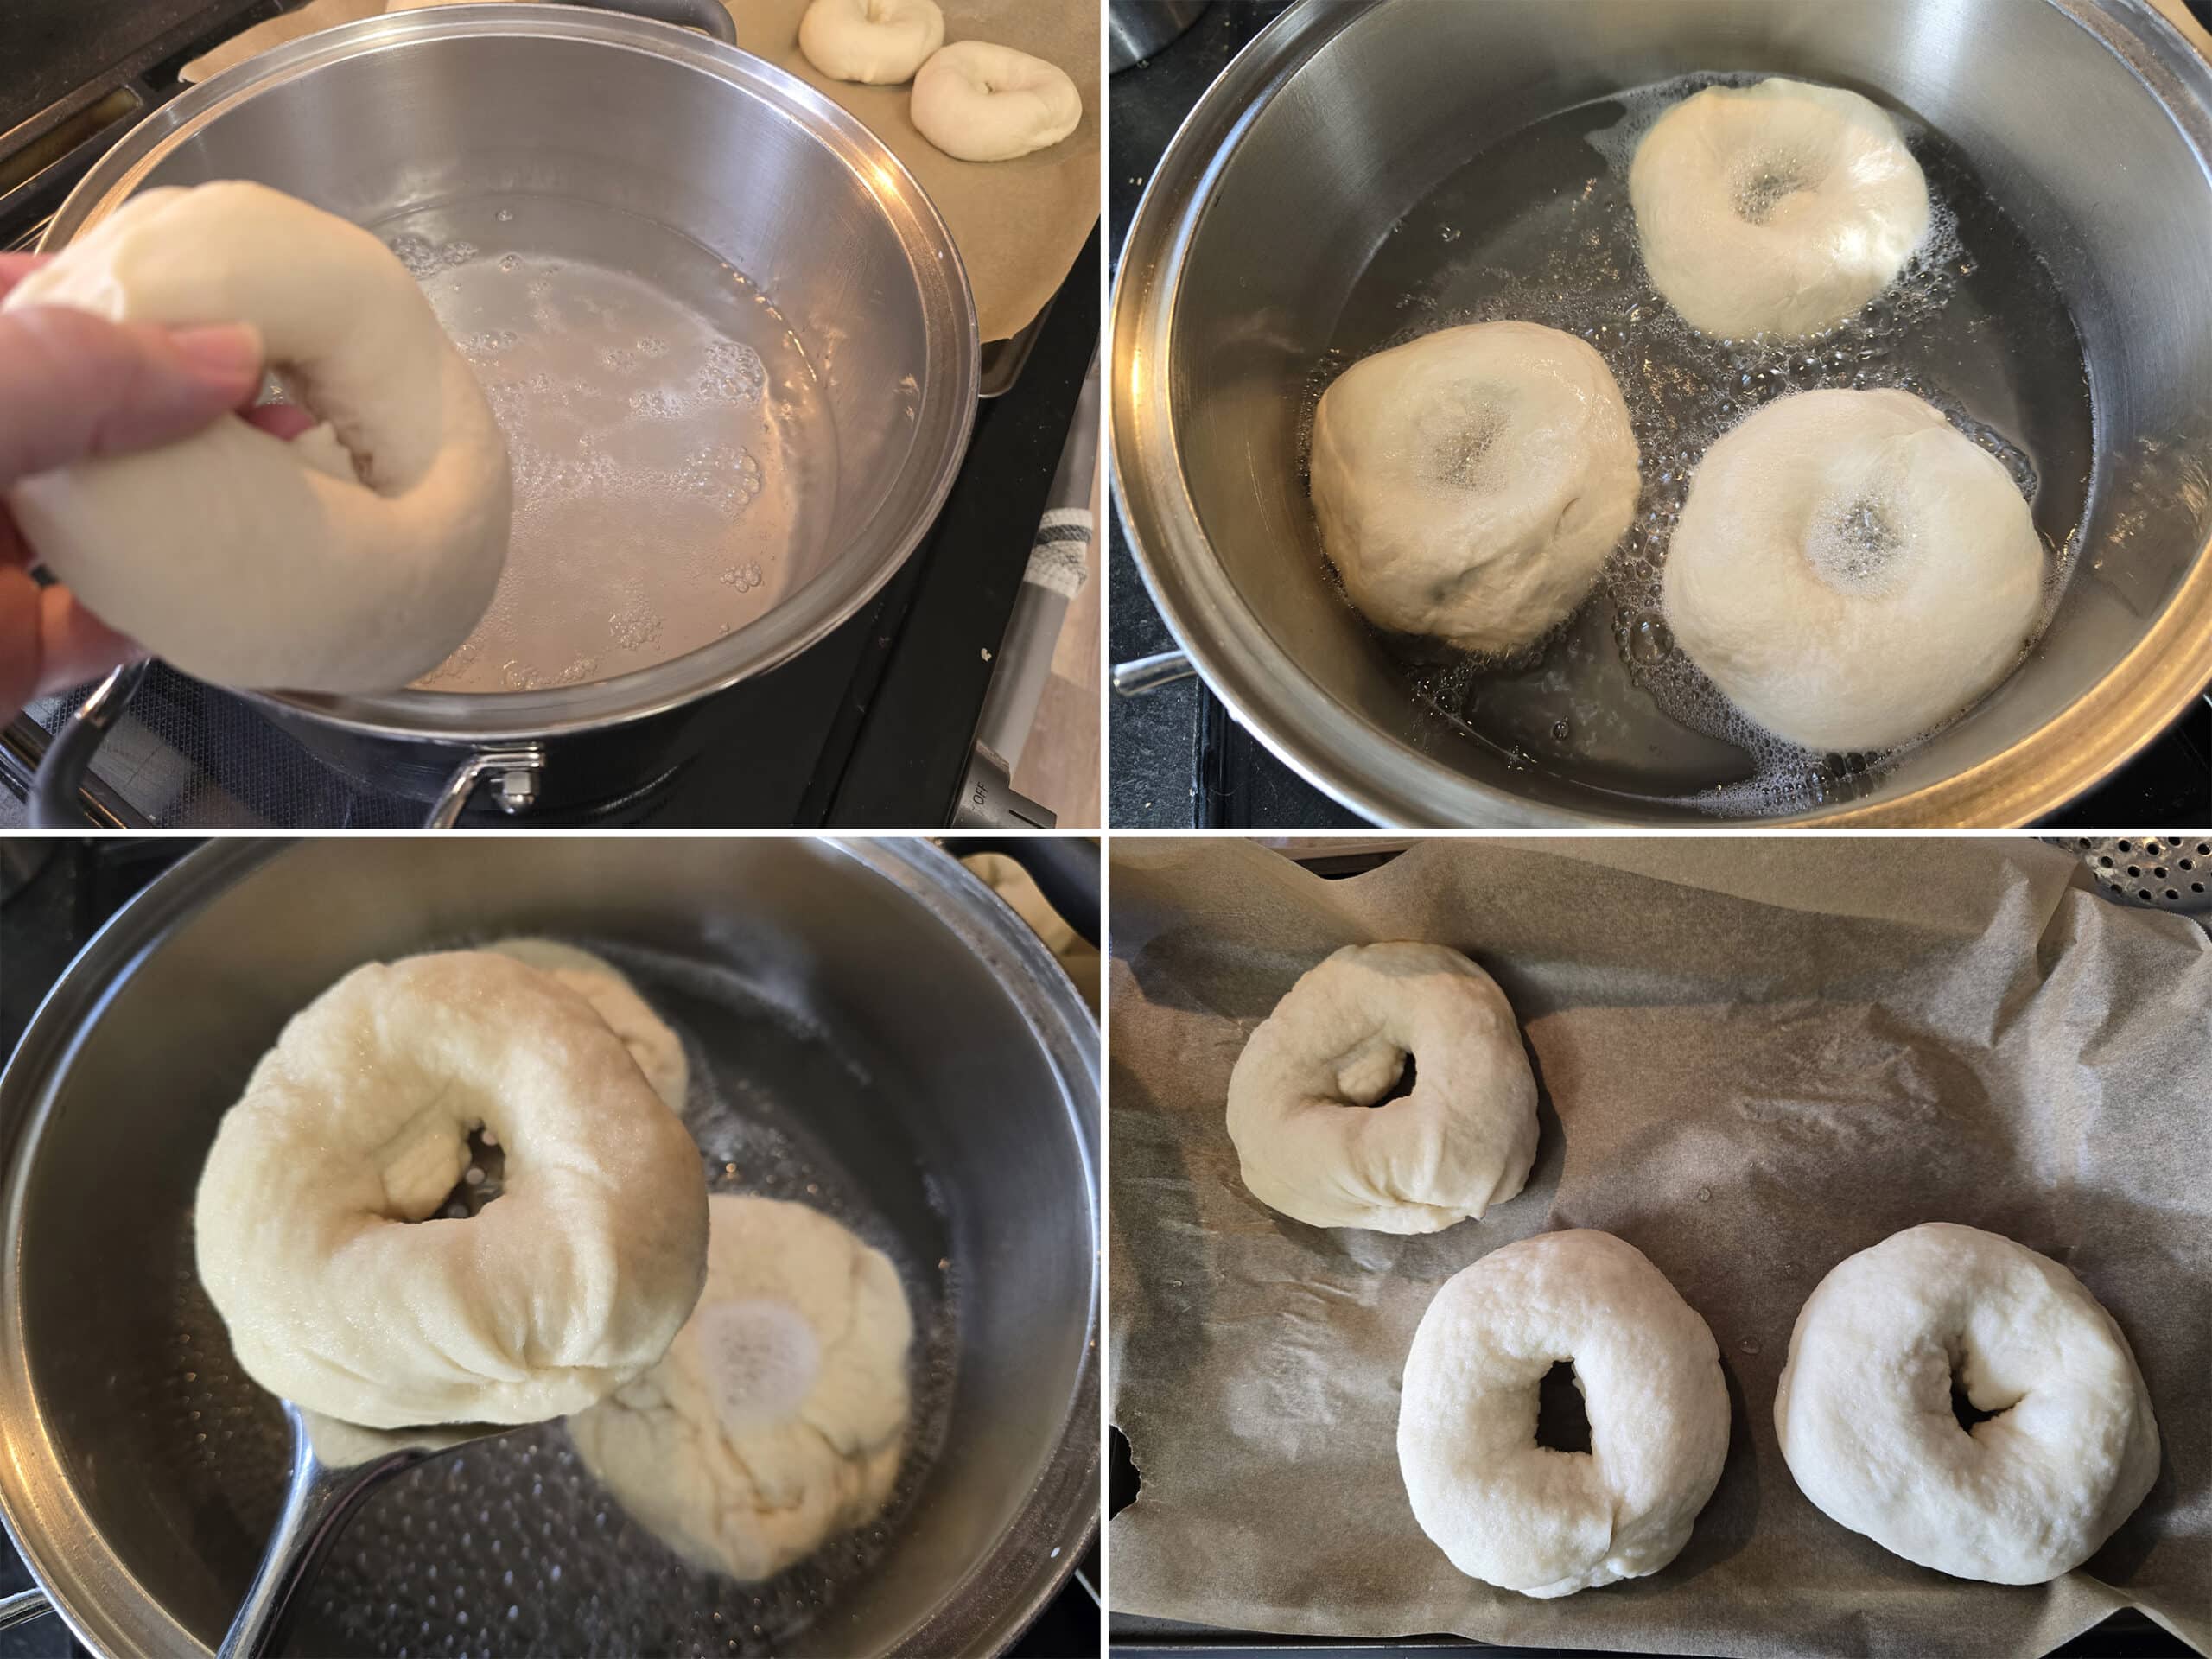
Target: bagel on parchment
1522	1516
877	42
977	102
1310	1140
1866	1419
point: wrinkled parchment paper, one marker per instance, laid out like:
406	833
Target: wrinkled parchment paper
1757	1055
1019	225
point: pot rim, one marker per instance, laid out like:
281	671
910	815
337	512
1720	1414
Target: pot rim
941	426
1355	762
980	1612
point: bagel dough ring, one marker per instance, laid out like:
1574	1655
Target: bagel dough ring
1851	570
877	42
778	1416
657	1049
1780	208
353	558
982	103
1311	1144
1470	484
1517	1514
1864	1418
317	1233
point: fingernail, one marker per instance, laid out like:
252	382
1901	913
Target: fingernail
227	352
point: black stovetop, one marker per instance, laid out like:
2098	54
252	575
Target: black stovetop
1179	760
56	893
872	727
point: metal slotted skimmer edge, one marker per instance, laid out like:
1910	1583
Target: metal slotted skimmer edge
2171	871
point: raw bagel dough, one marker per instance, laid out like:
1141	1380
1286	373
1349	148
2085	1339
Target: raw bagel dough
1780	208
1470	483
1311	1144
1519	1515
1864	1411
982	103
878	42
316	1224
1851	570
658	1050
779	1416
353	558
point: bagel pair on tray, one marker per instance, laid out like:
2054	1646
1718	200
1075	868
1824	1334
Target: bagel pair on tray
2064	1449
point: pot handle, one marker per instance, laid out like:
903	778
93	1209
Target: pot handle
710	17
1134	679
516	770
22	1607
1064	868
53	803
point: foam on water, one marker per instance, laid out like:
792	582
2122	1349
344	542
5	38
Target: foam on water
511	1547
1538	228
675	461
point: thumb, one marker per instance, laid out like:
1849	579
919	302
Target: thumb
73	385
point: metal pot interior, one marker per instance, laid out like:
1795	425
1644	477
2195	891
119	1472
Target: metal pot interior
2092	142
718	184
869	1033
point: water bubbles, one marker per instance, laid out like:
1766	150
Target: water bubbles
507	215
510	263
635	626
743	577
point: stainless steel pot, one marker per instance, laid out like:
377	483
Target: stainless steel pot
942	1067
437	105
2090	123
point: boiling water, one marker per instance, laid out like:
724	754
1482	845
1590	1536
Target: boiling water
675	462
510	1547
1538	228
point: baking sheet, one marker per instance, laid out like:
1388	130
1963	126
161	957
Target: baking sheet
1757	1055
1020	224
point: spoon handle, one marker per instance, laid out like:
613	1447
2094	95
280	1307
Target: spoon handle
319	1502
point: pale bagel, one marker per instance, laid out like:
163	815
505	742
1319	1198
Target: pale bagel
982	103
1864	1415
316	1224
878	42
1851	570
1470	484
1780	208
351	559
778	1416
658	1050
1522	1516
1312	1145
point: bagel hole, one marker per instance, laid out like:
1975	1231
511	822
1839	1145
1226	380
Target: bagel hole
1968	1414
488	1159
1402	1088
1462	457
1854	547
1562	1421
1765	188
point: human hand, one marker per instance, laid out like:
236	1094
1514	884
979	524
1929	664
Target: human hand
73	386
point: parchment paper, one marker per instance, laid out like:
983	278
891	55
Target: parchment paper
1019	225
1757	1055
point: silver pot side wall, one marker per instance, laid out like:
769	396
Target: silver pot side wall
403	110
989	1060
1287	178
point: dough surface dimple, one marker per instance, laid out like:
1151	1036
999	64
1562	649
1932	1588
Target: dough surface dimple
1865	1420
315	1226
877	42
778	1416
977	102
1779	208
1851	570
657	1049
1309	1141
1522	1516
1470	484
355	558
